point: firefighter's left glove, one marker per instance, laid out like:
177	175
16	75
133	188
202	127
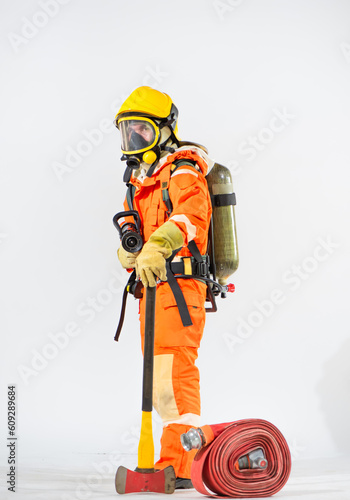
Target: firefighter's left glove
161	244
127	259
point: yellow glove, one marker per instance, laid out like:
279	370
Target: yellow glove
127	259
161	244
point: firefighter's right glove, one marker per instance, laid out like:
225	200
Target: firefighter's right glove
161	244
127	259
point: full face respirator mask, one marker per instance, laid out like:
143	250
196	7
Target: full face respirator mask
139	140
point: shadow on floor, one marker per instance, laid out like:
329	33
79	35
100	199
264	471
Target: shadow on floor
334	393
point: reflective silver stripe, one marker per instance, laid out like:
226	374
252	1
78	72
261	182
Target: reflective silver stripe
190	228
186	419
184	171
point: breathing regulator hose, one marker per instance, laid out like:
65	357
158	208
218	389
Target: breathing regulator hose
247	458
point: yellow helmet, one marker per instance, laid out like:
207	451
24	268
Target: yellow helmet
140	120
147	101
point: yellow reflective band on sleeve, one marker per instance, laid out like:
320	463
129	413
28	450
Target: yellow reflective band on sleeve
187	265
146	445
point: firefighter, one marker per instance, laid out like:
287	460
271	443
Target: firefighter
167	187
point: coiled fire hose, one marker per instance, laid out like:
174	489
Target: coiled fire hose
225	466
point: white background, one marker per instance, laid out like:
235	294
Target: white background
229	70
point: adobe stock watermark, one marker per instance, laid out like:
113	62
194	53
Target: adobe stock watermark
222	7
87	487
293	279
296	450
3	237
106	469
93	138
48	9
345	48
88	309
250	147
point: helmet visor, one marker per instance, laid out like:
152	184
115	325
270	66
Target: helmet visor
137	135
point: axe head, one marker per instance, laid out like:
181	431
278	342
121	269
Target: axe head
160	481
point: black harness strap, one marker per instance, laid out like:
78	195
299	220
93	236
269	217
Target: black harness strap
130	201
192	246
165	185
182	163
122	312
173	283
179	296
166	198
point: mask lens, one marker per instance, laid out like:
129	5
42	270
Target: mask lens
136	135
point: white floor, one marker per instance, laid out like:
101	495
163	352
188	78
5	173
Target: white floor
321	479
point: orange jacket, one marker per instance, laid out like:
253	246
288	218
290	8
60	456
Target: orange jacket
191	212
188	192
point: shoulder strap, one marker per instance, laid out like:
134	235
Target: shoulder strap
165	181
182	162
192	246
164	184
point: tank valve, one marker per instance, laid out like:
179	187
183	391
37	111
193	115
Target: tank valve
229	288
254	460
193	439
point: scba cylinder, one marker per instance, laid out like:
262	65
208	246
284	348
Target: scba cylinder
223	247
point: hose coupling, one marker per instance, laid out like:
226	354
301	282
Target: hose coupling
193	439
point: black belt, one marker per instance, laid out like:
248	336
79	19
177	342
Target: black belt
196	266
190	266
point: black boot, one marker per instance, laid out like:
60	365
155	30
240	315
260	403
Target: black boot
183	484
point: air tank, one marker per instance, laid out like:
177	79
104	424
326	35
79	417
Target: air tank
223	249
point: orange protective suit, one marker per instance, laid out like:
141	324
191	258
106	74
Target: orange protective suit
176	378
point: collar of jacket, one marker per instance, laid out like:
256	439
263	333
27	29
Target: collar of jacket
185	152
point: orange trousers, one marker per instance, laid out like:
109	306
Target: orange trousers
176	395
